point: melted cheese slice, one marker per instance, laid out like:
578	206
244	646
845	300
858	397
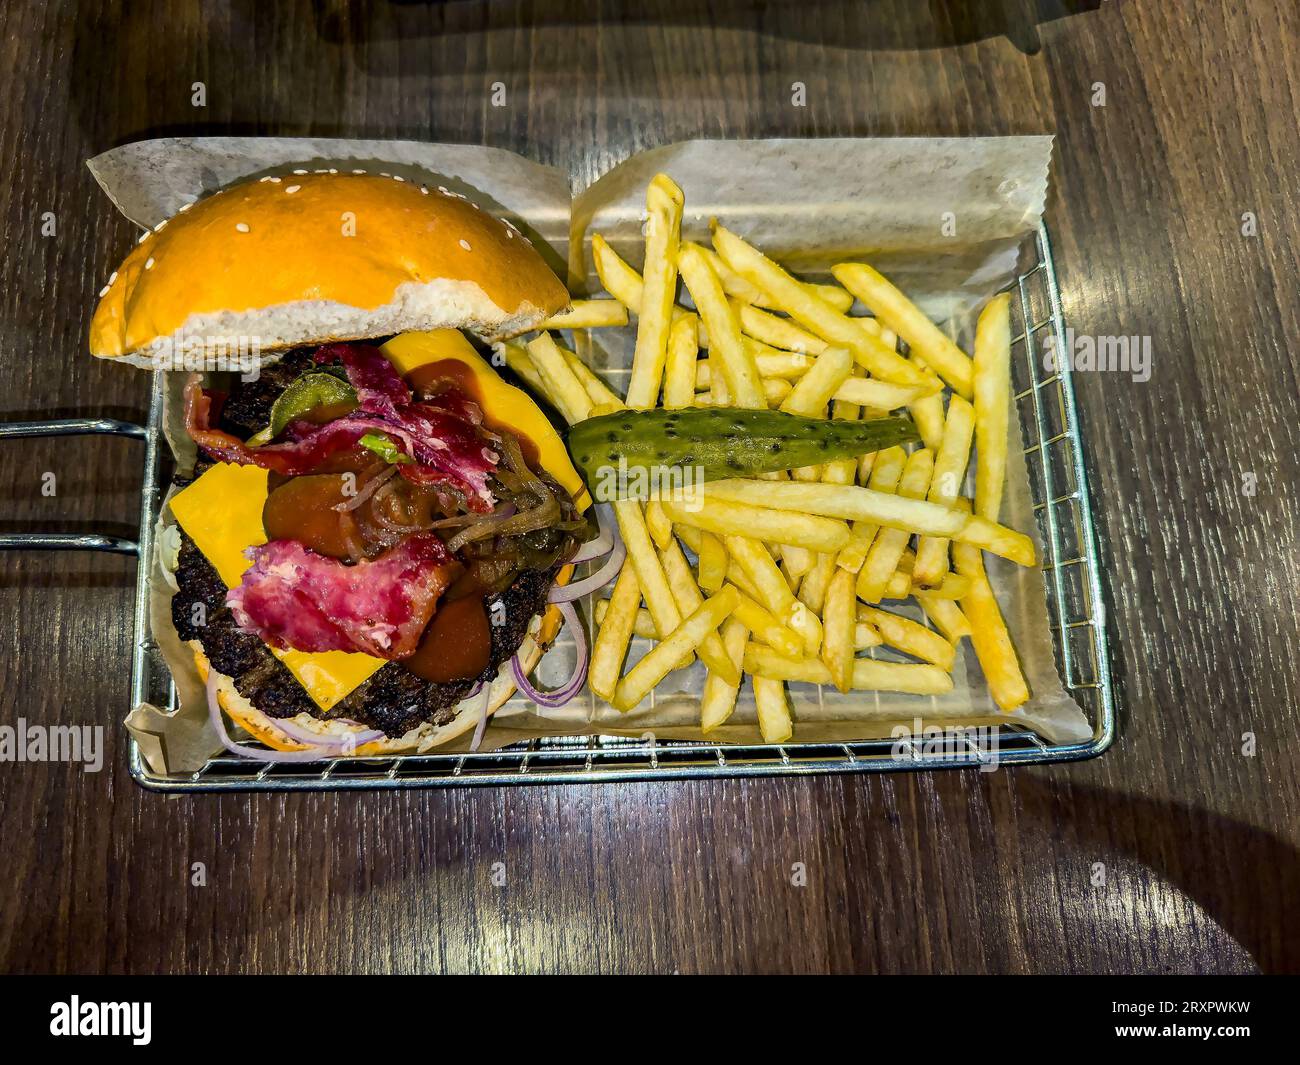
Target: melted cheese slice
222	510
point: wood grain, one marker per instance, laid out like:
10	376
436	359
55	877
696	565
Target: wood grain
948	872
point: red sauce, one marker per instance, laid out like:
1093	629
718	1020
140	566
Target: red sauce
302	509
457	643
426	379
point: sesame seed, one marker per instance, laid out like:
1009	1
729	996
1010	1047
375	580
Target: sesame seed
292	188
510	233
148	263
322	171
300	171
443	190
384	173
274	180
242	227
112	277
358	171
158	227
424	189
261	180
331	170
398	177
185	207
464	244
144	236
103	292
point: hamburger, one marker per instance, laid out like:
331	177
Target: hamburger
370	551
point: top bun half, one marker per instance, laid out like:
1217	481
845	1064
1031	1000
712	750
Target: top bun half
312	258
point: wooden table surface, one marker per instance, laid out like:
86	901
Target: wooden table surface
956	871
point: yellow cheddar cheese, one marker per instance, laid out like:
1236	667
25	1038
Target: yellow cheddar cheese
222	510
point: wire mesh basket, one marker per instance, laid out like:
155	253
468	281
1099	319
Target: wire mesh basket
1054	455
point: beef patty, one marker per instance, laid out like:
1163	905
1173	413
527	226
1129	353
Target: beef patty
393	699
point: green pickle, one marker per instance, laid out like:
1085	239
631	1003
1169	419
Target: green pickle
305	394
718	442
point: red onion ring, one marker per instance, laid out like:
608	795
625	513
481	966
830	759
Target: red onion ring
481	727
604	542
575	683
367	491
316	754
561	594
305	735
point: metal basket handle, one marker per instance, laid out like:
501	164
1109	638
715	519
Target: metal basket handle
39	541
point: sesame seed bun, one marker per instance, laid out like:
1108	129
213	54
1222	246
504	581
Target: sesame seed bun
298	259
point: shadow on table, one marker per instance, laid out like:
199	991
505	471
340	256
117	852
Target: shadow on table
862	24
1245	878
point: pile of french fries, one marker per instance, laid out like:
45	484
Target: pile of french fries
794	573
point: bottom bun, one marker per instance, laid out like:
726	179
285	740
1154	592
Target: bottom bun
422	738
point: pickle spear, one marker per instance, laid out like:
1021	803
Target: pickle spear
724	442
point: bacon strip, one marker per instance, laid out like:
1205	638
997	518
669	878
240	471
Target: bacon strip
294	598
447	449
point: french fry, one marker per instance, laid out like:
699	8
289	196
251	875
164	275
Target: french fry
687	594
775	389
945	486
992	404
770	587
799	560
815	388
812	592
842	501
778	332
865	504
864	636
713	562
911	636
680	371
903	317
764	626
562	383
999	540
624	283
649	572
737	364
953	586
884	395
718	699
773	711
736	286
885	472
602	396
815	313
784	364
659	524
989	635
882	559
613	634
588	314
927	414
643	626
743	519
658	287
839	624
868	673
945	615
518	359
663	657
